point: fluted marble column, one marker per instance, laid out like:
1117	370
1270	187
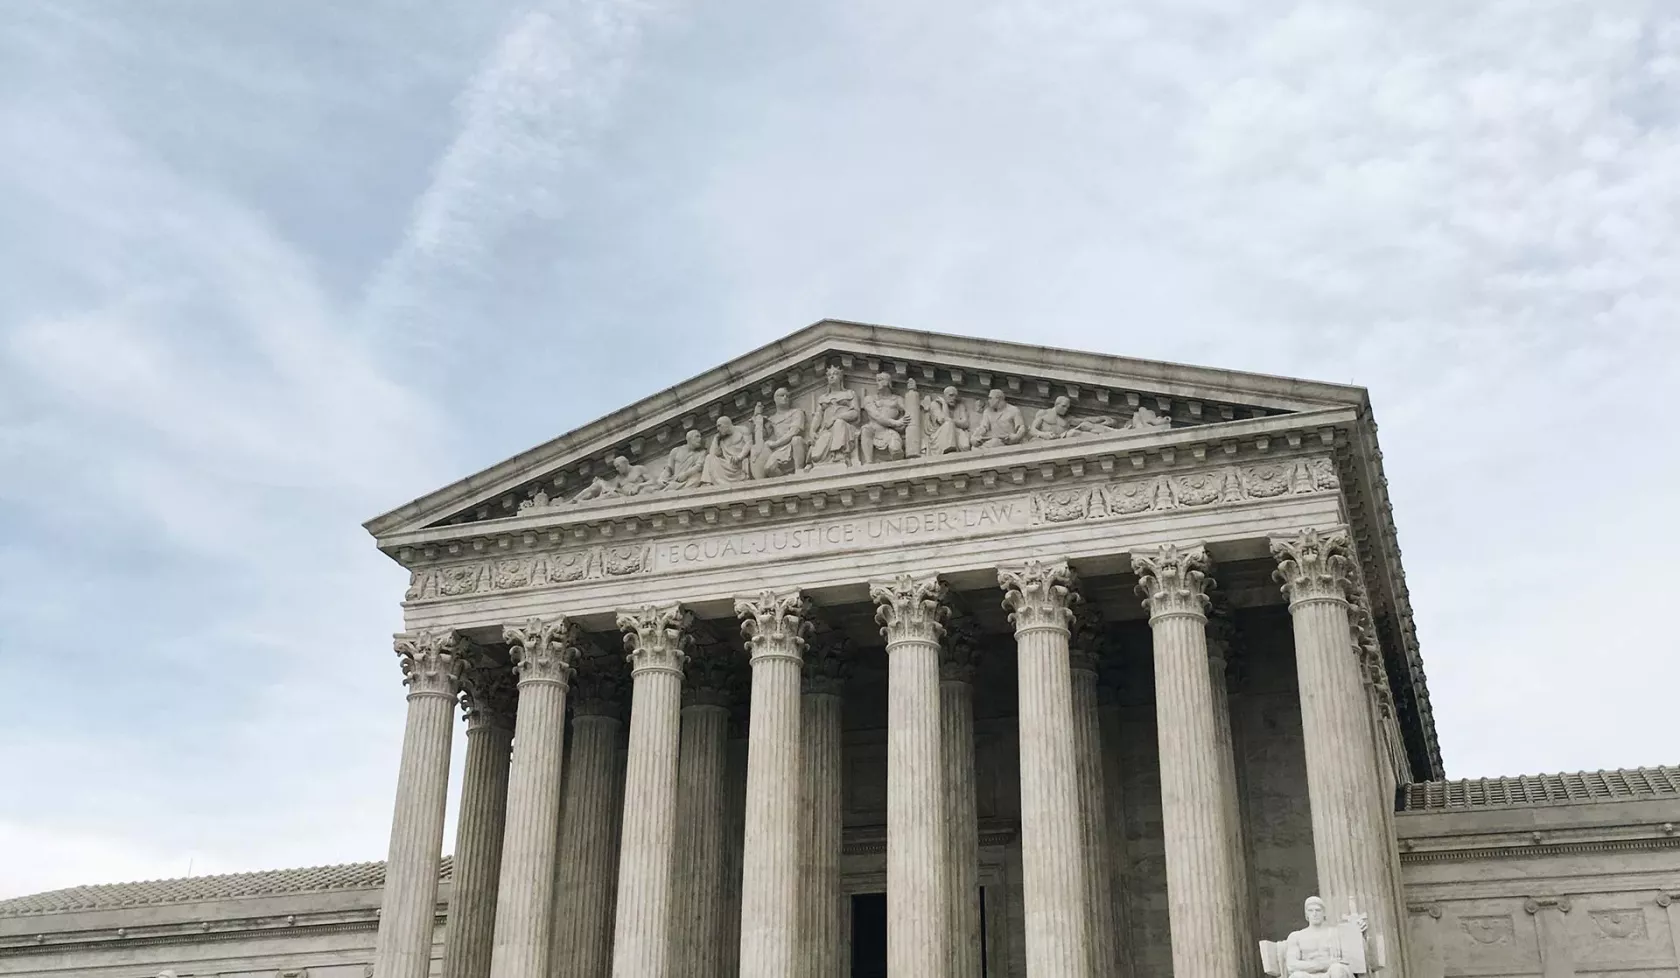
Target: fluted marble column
1342	786
432	662
1221	633
487	699
658	640
775	626
1110	720
698	932
1039	600
956	745
1201	882
543	652
1101	925
586	881
912	612
821	915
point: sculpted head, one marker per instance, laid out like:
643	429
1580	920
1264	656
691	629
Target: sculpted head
1061	406
782	398
1315	910
951	396
834	376
883	381
622	464
725	426
994	399
692	438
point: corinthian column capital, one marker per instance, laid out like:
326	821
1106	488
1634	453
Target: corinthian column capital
432	661
1039	594
1314	566
657	638
827	661
775	625
960	652
488	694
911	608
543	650
1173	581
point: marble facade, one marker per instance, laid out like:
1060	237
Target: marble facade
884	652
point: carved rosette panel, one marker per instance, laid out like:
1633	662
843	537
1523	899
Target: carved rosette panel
542	649
1173	581
1039	594
1314	566
432	661
911	609
600	685
489	695
775	625
828	661
1089	641
658	638
961	651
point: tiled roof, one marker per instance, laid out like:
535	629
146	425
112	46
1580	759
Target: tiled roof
1542	789
193	889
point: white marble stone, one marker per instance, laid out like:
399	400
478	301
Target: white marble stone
487	698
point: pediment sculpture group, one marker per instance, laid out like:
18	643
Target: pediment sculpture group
842	430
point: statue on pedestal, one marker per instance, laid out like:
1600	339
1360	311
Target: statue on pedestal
1322	949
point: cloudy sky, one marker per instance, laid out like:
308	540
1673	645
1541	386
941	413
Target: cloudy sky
267	270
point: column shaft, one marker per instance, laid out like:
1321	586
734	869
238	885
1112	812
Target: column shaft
956	740
820	920
1228	788
432	663
1114	826
698	931
478	848
543	652
584	887
1201	881
1101	926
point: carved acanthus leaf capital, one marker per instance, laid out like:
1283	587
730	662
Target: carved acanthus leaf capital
542	649
911	609
600	685
432	661
828	661
1173	581
709	676
658	638
1089	641
488	693
960	653
775	625
1313	566
1039	594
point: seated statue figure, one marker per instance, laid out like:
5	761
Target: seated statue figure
885	421
686	463
624	480
834	433
1000	423
779	439
1320	949
945	423
729	457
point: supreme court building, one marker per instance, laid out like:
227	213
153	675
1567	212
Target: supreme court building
880	652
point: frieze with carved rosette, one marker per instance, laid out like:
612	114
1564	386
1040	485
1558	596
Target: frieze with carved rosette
775	624
828	660
432	661
1173	581
910	608
542	649
1039	594
658	638
960	653
489	694
1314	565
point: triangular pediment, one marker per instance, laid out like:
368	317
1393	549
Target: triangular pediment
838	417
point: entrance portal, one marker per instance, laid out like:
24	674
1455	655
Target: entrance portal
869	935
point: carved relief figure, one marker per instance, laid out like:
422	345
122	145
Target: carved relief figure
883	431
1144	418
1316	949
624	480
685	464
780	438
728	458
834	430
946	420
1053	422
1000	423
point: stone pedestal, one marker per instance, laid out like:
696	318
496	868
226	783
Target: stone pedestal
658	640
586	883
912	612
1342	784
1201	881
1052	861
542	653
1101	925
698	928
822	936
487	696
956	743
775	626
432	663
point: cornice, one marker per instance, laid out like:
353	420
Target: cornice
297	926
1536	850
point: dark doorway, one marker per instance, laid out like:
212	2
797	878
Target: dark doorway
869	935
